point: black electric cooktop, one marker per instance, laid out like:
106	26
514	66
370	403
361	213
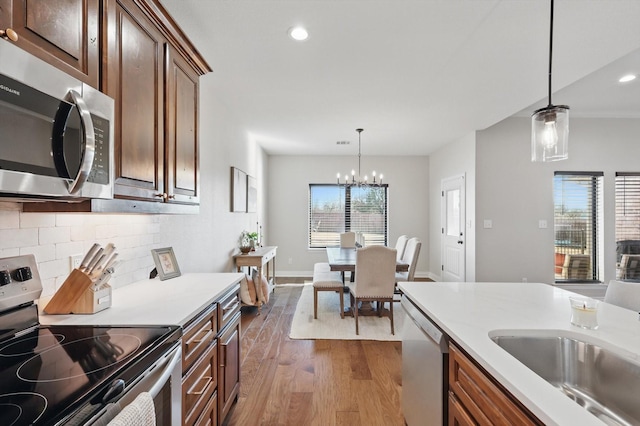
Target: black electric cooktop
51	373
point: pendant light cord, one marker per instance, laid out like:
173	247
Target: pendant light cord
550	50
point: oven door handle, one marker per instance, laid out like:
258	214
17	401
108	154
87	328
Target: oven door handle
89	145
174	359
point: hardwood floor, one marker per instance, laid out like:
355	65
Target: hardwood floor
313	382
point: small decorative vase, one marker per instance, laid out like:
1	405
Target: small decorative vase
245	250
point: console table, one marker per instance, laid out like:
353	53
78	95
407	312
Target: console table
261	257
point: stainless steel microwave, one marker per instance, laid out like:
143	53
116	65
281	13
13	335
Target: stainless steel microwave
56	133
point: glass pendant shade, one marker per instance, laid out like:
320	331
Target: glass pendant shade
550	133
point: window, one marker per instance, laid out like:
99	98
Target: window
577	198
334	209
628	226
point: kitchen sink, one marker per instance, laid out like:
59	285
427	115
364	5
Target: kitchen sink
603	381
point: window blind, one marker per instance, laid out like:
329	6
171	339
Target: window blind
627	188
334	209
577	222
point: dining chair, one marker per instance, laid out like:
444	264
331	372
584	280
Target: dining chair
411	254
401	244
348	239
375	280
629	267
624	294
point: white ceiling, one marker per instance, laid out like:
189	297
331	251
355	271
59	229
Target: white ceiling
415	74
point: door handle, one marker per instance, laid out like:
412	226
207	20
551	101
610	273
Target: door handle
89	142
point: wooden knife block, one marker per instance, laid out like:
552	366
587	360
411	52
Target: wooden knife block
77	296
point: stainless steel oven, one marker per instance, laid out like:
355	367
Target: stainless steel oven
78	375
56	133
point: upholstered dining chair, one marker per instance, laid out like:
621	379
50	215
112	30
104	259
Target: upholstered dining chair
576	267
623	294
401	244
375	280
411	254
348	239
630	267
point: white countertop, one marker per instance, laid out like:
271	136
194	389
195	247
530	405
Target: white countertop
154	302
468	312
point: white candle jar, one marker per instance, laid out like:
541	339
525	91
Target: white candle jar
584	312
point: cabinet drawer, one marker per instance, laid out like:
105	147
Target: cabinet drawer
458	416
483	399
209	416
228	306
199	385
198	335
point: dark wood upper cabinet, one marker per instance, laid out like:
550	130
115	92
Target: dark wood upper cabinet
152	74
182	130
133	51
135	79
64	33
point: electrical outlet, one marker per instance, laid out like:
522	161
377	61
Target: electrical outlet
75	260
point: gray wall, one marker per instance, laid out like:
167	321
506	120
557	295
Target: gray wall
515	193
454	159
289	179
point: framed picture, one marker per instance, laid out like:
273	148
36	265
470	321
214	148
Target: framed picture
166	263
238	190
252	194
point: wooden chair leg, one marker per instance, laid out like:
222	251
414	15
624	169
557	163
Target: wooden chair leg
354	311
341	293
391	314
315	303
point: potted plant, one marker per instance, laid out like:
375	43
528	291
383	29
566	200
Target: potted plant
244	242
253	237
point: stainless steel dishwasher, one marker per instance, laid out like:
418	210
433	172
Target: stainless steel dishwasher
424	369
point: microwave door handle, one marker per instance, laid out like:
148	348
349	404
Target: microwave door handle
89	148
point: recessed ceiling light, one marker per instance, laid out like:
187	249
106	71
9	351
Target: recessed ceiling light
627	78
298	33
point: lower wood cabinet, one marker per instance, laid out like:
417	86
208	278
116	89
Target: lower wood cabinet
229	367
211	361
476	398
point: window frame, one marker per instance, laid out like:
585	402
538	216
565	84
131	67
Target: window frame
593	242
347	211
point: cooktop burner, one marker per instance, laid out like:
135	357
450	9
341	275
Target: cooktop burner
52	371
22	408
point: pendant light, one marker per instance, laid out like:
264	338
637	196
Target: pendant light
550	125
358	180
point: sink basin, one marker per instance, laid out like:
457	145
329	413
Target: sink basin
604	382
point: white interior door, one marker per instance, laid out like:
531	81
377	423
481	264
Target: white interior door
453	237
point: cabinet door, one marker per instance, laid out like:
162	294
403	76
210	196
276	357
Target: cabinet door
458	416
182	130
229	368
63	33
135	79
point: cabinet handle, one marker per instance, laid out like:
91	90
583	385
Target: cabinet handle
171	197
206	380
161	195
230	306
10	34
199	338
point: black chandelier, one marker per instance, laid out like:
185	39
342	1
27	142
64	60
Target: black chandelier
359	180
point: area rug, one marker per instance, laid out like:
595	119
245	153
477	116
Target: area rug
329	325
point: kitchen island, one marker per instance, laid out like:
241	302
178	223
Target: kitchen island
470	312
207	307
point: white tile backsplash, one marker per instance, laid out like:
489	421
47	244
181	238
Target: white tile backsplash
53	237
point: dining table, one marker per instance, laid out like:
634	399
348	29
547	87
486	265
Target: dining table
343	259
